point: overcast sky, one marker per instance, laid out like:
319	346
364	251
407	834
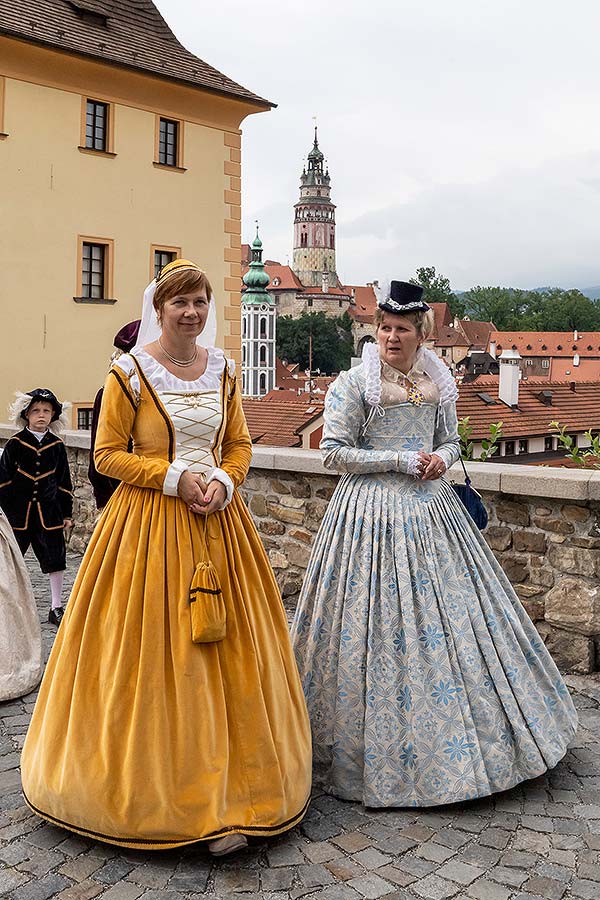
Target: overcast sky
463	134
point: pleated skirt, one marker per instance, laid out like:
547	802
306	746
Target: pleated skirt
144	739
20	633
426	681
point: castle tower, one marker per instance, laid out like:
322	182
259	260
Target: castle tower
314	225
258	328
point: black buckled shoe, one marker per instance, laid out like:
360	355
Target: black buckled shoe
55	615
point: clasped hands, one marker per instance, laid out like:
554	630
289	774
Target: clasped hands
201	497
430	466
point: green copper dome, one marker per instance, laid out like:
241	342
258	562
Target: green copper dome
256	279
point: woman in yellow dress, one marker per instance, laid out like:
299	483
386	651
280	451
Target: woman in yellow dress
140	736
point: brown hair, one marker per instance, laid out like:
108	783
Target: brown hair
183	282
423	320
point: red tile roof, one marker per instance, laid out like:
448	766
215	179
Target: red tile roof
278	419
577	409
477	333
365	302
130	33
442	315
547	343
287	280
451	337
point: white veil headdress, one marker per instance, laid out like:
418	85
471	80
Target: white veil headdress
150	330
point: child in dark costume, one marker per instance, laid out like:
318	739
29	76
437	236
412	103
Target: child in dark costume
36	492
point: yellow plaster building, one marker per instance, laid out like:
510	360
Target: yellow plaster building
119	150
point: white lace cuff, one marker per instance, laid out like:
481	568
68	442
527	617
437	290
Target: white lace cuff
222	476
174	473
414	466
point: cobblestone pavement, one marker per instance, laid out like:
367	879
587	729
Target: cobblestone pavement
541	840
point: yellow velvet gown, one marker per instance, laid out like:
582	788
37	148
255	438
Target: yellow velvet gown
140	737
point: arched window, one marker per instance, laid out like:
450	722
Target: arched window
243	354
262	328
262	383
243	382
244	326
262	356
332	240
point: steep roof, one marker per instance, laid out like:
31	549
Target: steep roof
442	316
278	419
477	333
577	409
365	302
447	336
548	343
129	33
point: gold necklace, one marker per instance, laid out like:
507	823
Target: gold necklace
179	362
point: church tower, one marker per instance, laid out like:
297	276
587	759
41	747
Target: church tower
314	225
258	328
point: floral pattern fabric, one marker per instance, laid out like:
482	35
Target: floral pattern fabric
426	681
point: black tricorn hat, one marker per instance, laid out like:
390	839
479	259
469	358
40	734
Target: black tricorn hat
403	297
46	396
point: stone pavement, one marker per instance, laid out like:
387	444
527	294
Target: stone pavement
540	840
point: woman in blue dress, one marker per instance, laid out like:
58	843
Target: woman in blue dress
425	679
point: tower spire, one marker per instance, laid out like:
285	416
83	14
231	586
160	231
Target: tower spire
314	222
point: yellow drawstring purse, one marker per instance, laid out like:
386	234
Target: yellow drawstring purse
207	607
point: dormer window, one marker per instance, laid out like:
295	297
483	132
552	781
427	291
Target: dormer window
89	15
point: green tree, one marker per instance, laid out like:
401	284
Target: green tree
551	309
332	343
502	306
437	289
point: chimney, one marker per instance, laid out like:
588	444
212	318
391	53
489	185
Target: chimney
508	383
576	359
493	349
575	335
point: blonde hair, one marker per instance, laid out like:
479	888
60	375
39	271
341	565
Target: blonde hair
423	320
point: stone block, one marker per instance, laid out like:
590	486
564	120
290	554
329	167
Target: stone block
291	585
279	487
301	534
575	513
575	560
529	541
258	505
571	652
498	537
300	488
286	514
268	526
541	574
516	569
513	512
558	526
533	481
277	559
534	608
297	554
588	543
575	606
325	492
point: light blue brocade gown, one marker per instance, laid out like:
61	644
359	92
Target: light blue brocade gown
426	681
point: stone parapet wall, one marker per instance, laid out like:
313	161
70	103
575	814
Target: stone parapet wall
544	529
